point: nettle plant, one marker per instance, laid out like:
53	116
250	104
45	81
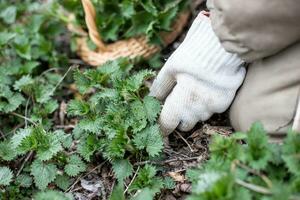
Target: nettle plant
28	51
118	120
119	19
252	169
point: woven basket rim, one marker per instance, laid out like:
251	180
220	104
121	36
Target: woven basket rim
91	56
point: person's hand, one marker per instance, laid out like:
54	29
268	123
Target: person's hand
199	79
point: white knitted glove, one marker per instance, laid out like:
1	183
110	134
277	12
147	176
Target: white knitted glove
199	79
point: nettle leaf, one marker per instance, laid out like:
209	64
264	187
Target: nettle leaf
88	146
75	165
127	8
257	150
92	125
7	152
22	46
43	93
145	194
83	84
63	182
52	148
9	101
6	176
9	14
43	173
122	169
5	37
152	108
20	135
146	179
117	193
24	180
291	152
135	81
149	6
225	148
24	84
52	194
78	108
150	139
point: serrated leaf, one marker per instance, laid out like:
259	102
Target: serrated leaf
122	169
291	152
6	176
5	37
20	135
7	152
63	182
52	195
117	193
43	173
78	108
152	108
258	151
23	83
150	139
91	125
75	165
52	149
24	180
87	147
9	14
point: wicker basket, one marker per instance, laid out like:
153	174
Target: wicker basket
132	47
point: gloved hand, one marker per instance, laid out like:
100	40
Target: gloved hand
199	79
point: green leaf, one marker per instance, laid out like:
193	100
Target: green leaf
91	125
127	8
75	165
6	176
145	194
7	152
152	108
78	108
149	6
20	135
9	101
117	193
5	37
291	152
52	195
24	84
23	47
63	182
51	149
9	14
258	151
88	146
146	179
122	169
43	173
24	180
136	81
150	139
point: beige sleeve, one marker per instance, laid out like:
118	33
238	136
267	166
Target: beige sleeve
255	29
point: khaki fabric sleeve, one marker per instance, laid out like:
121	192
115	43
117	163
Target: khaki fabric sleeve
255	29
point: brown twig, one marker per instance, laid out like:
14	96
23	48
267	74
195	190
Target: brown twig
133	178
255	188
24	162
186	142
166	161
255	172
